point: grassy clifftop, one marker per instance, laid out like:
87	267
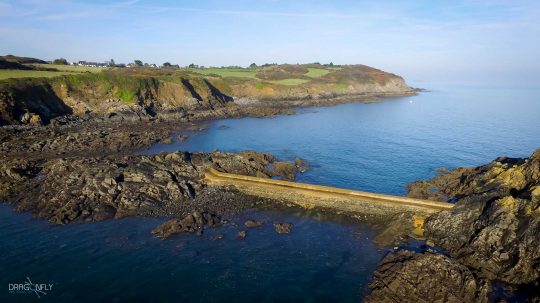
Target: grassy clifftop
151	91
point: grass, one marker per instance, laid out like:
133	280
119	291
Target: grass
259	85
125	95
72	68
341	86
290	82
226	72
63	70
316	72
17	73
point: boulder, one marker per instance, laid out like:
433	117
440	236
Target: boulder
283	228
407	276
253	223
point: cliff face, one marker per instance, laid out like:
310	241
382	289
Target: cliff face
103	95
492	234
495	225
149	93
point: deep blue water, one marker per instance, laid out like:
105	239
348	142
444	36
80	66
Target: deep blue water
381	147
376	147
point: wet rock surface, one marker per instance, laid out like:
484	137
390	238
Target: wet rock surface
253	223
283	228
66	190
81	138
193	223
407	276
493	230
495	226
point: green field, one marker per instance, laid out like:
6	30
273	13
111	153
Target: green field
316	72
72	68
341	86
63	70
290	82
17	73
226	72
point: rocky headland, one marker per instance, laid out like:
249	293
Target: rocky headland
486	248
68	144
140	94
68	154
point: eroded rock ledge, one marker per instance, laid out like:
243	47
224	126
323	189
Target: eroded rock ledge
493	232
66	190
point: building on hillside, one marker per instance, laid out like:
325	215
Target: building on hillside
91	64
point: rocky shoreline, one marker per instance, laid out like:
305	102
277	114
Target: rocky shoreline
489	240
79	169
85	189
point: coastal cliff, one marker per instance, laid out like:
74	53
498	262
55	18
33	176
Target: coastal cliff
150	93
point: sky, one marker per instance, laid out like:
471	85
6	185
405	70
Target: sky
473	41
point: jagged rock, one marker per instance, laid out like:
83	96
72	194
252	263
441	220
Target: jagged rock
193	223
397	229
31	118
406	276
242	234
495	226
301	165
285	170
283	228
253	223
90	189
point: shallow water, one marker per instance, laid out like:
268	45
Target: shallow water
377	147
381	147
119	261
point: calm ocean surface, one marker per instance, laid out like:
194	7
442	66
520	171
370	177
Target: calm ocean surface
376	147
381	147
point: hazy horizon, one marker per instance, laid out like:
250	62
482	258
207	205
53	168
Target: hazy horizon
454	41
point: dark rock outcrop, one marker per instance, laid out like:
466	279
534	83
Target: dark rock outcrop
406	276
491	236
495	225
253	223
193	223
69	190
283	228
242	234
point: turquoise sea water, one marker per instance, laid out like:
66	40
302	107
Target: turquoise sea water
376	147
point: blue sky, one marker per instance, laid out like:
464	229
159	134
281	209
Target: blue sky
456	41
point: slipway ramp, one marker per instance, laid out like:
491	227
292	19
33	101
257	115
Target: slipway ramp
311	196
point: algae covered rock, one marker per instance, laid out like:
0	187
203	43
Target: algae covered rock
495	226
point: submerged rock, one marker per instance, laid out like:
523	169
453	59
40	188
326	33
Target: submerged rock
193	223
253	223
399	228
217	238
283	228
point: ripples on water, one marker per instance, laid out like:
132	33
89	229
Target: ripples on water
376	147
119	261
381	147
